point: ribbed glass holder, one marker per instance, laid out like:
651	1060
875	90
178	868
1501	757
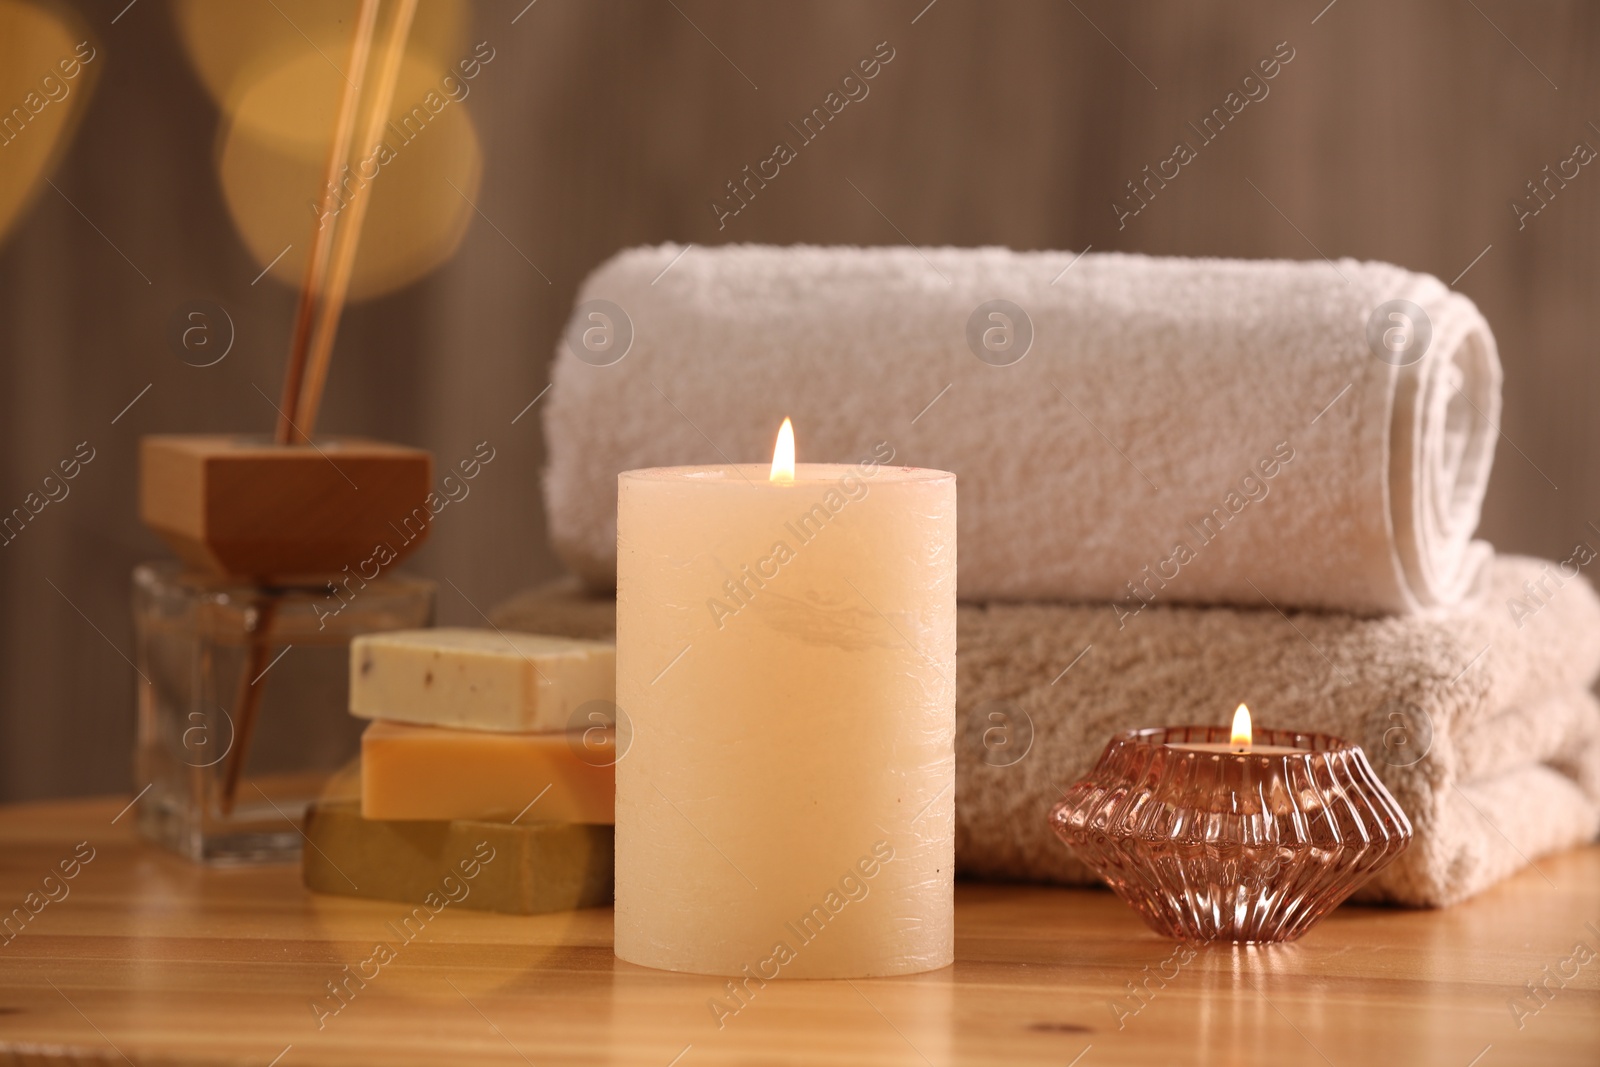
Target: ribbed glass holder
1236	847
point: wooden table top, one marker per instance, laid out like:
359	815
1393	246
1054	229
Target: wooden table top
148	959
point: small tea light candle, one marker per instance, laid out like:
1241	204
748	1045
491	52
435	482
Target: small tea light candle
1239	743
1213	840
786	656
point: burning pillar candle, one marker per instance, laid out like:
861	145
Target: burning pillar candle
786	645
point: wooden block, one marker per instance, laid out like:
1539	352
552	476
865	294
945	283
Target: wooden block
434	772
480	679
525	868
244	507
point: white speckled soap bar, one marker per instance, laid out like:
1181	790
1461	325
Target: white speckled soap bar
479	679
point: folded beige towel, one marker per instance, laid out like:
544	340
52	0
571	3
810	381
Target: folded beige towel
1482	728
1479	719
1124	427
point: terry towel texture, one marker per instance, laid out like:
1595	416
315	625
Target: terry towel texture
1179	430
1485	730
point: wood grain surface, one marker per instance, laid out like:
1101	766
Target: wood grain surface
146	959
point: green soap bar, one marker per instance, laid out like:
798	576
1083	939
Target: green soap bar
524	869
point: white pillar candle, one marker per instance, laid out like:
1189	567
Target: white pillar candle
786	655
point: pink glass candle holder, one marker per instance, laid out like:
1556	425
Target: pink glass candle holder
1211	844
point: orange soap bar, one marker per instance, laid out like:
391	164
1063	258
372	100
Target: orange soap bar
435	772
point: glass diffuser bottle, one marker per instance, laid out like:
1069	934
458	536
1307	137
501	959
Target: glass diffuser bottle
288	552
242	703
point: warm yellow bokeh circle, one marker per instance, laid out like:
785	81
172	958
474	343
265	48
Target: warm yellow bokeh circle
234	43
47	68
272	155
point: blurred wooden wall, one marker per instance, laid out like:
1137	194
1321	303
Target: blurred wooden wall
1399	131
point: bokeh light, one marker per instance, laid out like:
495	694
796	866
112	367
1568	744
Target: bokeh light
48	67
279	93
235	43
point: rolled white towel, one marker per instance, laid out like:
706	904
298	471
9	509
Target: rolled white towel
1129	429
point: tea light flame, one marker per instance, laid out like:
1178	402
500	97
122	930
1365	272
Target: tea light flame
1240	742
783	456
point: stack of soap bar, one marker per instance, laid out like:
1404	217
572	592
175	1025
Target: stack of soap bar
481	724
482	744
435	772
525	868
479	679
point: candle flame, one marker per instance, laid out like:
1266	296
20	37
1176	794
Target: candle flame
783	456
1240	741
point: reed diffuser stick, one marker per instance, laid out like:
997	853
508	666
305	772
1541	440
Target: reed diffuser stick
247	702
312	286
247	698
348	235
